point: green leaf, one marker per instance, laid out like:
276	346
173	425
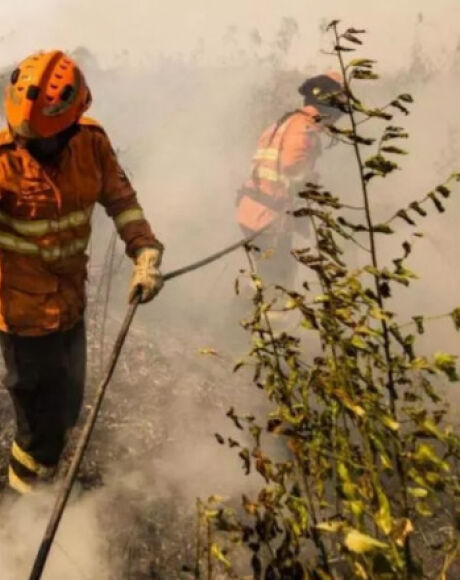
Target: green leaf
386	461
332	24
443	190
379	314
406	98
208	351
359	343
219	555
355	227
244	455
364	330
455	315
426	454
309	321
344	398
447	364
351	38
388	135
407	249
362	62
397	105
238	365
402	213
380	164
438	205
355	138
356	508
431	428
211	514
395	150
360	543
390	423
378	113
383	517
382	229
340	48
415	205
401	271
417	492
367	75
423	509
219	438
419	323
232	415
331	526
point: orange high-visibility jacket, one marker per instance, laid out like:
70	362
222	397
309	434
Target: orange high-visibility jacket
286	152
45	225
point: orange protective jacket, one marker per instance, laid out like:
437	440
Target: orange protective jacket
45	225
286	152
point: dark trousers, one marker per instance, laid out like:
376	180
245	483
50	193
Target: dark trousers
45	377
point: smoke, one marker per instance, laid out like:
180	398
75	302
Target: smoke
140	31
79	547
184	89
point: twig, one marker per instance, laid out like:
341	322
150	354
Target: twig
197	570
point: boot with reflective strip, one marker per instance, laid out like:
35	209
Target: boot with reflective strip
24	472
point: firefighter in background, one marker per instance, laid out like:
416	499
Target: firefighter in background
284	161
55	165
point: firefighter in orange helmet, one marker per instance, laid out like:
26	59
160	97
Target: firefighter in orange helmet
55	164
284	160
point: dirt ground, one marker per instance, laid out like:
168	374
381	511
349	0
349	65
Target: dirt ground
148	411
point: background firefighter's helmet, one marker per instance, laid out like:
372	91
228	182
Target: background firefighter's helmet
316	87
46	94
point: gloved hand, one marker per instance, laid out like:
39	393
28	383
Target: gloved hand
147	278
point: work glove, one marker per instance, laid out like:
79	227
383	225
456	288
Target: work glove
147	280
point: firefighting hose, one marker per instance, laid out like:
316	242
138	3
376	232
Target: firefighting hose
66	486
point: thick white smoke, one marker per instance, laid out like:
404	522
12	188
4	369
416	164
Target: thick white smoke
184	88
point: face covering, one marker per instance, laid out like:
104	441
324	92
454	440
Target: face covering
330	114
50	148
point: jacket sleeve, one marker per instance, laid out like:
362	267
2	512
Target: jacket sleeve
120	201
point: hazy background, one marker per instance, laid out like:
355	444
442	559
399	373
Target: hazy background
184	88
145	28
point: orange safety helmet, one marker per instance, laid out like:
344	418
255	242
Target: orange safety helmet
46	94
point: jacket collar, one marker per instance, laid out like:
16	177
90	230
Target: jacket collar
310	110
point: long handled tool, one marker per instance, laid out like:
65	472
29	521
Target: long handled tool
64	492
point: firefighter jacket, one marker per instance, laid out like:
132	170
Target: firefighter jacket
45	225
286	153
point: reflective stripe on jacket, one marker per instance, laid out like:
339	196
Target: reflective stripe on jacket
45	226
285	153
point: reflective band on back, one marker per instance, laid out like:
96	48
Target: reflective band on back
16	244
267	154
16	483
43	227
29	462
271	175
128	216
